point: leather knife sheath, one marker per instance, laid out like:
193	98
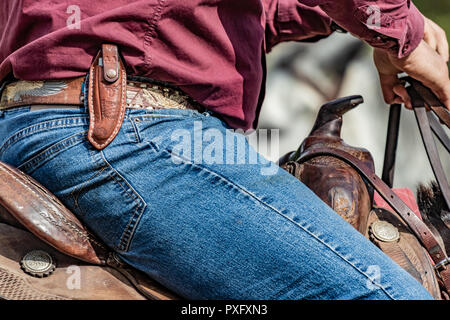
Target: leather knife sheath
106	96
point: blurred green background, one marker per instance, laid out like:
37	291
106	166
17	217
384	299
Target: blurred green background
436	10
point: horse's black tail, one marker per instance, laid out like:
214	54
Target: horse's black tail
432	206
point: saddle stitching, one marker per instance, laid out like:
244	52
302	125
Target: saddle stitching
83	234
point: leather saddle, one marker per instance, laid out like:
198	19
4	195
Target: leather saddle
344	177
46	253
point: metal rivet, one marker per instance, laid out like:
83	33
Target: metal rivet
111	73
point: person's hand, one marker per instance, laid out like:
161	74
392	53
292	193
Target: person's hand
424	64
427	63
436	38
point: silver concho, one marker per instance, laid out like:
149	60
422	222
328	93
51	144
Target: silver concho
384	231
38	263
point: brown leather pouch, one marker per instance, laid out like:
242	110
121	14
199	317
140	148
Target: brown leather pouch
107	96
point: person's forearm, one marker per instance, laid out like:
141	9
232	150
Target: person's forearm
396	26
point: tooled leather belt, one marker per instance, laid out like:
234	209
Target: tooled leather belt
148	95
108	90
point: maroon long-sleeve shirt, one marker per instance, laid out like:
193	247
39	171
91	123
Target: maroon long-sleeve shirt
212	49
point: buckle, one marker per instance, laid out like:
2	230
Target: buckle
442	265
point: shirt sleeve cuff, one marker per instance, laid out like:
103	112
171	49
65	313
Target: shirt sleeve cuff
414	32
398	34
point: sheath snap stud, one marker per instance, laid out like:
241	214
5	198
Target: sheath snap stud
111	73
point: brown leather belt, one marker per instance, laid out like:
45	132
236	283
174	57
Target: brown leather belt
107	91
69	92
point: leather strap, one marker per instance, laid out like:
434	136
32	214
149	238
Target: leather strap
111	63
391	145
419	106
443	114
431	100
439	131
426	131
419	228
432	153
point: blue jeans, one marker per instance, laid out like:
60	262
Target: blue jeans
205	230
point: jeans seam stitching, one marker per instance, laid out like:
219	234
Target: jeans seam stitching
136	134
127	235
77	191
130	229
149	117
247	192
60	146
25	132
